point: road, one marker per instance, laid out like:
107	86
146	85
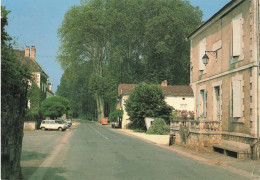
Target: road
95	152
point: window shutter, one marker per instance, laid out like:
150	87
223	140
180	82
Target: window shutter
202	52
198	104
205	103
236	98
236	29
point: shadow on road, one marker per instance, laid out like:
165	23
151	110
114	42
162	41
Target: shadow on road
49	173
31	155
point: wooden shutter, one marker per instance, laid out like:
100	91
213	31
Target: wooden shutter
198	104
236	29
236	98
205	103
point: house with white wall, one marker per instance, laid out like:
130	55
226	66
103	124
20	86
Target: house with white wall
180	97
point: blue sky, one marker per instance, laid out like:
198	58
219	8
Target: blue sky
35	23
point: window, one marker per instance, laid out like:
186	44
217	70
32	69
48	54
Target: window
183	106
236	35
216	103
202	103
236	99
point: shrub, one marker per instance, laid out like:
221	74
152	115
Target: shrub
54	107
159	127
147	101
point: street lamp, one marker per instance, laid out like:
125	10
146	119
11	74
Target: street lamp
205	58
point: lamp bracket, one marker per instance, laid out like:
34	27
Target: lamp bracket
213	53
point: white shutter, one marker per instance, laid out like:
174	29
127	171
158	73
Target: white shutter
198	104
202	52
204	103
236	29
236	98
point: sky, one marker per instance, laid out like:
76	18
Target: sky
35	23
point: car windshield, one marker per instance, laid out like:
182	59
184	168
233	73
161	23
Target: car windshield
59	122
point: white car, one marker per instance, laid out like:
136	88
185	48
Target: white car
53	124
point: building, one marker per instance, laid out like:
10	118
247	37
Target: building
179	97
27	57
223	77
40	77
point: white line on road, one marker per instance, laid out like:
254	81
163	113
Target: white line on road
99	132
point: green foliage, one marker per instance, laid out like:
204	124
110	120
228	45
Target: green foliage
54	107
147	101
14	85
113	116
130	41
159	127
34	95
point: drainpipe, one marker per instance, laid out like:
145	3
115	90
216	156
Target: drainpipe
257	31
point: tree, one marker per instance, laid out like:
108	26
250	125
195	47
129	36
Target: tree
117	115
54	107
130	41
14	86
147	101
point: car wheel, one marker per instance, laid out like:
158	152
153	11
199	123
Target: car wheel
60	129
43	128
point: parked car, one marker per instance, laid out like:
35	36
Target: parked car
69	121
53	124
64	122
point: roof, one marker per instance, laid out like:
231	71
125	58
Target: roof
176	90
32	64
222	10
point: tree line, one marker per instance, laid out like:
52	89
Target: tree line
107	42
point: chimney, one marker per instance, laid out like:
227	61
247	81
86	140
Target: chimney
164	83
33	53
27	51
50	86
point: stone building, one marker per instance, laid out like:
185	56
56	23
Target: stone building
223	58
40	77
28	57
179	97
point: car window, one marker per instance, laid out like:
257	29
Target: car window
47	122
52	122
43	122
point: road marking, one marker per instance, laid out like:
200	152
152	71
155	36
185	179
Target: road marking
99	132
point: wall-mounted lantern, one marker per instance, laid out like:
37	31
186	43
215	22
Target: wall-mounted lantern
205	58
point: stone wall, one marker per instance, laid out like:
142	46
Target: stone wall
30	125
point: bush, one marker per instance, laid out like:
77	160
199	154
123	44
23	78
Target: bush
159	127
54	107
113	116
147	101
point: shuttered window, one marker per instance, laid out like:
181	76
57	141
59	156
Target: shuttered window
236	98
236	35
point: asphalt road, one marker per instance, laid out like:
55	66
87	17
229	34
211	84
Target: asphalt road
94	152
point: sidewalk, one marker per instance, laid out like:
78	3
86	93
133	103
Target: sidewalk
249	168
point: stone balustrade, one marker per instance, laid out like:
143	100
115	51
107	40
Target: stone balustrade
194	125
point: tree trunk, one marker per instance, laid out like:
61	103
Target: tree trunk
100	107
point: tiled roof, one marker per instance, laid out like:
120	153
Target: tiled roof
176	90
32	64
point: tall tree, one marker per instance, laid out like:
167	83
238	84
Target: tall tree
129	41
14	86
